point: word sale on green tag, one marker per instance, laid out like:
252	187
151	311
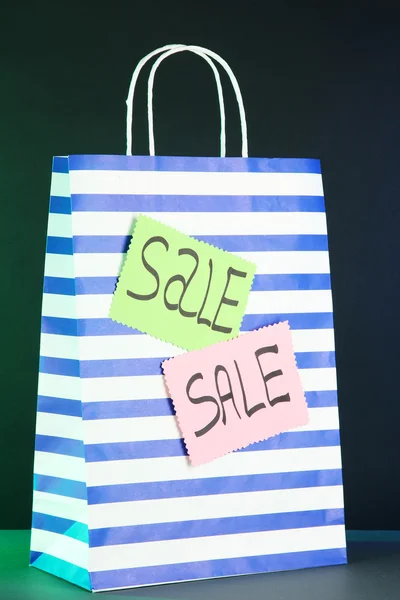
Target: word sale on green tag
179	289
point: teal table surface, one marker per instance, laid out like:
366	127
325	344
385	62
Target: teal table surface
373	573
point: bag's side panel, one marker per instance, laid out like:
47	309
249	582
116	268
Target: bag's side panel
276	505
59	541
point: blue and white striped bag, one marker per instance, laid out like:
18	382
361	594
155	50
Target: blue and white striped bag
116	503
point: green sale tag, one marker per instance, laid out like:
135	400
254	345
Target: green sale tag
179	289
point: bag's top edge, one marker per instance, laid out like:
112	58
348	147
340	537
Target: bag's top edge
98	162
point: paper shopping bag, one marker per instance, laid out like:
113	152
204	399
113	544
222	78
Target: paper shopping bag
117	503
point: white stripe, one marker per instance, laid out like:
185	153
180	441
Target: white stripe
109	265
288	263
199	223
189	183
144	346
62	426
285	263
61	225
59	184
59	346
58	465
56	305
100	389
313	340
60	546
59	265
60	506
238	463
293	301
170	552
326	418
216	506
318	380
105	431
59	386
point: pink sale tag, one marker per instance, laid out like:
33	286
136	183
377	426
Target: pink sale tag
236	393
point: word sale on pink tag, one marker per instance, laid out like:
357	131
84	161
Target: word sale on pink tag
236	393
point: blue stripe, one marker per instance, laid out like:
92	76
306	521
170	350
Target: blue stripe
226	567
106	285
315	360
111	536
158	203
60	205
72	529
60	326
93	162
170	448
59	445
59	245
128	367
296	321
97	244
89	327
237	484
95	285
291	282
59	285
298	439
61	568
322	399
60	486
128	409
262	243
60	164
59	406
163	407
60	366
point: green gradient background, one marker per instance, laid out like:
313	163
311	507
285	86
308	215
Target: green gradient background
318	80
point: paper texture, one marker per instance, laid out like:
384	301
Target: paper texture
179	289
236	393
153	517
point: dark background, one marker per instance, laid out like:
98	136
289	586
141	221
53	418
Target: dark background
319	80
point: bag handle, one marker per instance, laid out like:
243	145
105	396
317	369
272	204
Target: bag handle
228	70
131	93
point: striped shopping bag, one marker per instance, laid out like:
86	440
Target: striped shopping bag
116	502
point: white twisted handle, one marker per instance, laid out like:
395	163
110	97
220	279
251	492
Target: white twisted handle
167	51
131	93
